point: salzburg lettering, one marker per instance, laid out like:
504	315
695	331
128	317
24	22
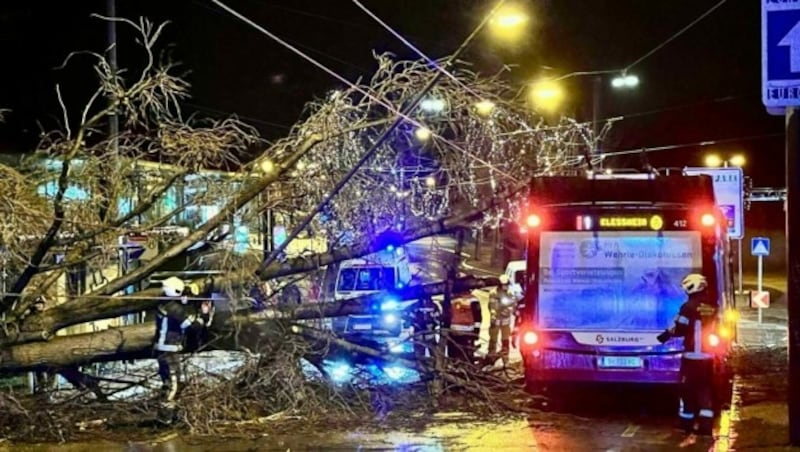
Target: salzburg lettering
618	339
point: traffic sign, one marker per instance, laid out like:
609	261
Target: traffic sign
729	194
759	299
780	54
759	246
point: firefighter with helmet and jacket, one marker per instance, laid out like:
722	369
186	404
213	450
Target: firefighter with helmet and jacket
502	307
696	319
175	318
465	326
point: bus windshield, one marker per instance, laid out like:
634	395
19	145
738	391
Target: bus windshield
366	278
614	280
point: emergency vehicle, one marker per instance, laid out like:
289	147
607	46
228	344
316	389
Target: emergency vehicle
605	258
385	271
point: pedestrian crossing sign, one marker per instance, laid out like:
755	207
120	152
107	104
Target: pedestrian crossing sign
759	246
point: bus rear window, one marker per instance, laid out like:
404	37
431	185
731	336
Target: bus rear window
614	280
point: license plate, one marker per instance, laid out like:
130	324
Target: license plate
626	362
362	326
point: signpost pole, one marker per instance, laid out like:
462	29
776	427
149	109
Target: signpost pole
760	284
793	267
740	266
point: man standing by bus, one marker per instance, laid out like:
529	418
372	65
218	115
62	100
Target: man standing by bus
502	305
694	322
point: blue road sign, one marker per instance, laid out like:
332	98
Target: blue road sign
759	246
780	54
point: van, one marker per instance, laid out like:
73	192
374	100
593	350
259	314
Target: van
387	270
515	270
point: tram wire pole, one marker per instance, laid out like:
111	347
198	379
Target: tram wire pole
793	268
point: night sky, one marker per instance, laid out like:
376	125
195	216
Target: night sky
703	86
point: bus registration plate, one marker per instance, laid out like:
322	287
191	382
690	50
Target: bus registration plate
626	362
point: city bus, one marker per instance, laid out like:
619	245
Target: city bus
605	258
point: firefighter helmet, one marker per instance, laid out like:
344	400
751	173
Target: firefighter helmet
694	283
172	287
503	280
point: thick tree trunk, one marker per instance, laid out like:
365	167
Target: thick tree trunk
253	332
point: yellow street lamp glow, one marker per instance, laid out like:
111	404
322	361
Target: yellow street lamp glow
508	22
546	94
267	166
737	160
484	107
713	160
423	133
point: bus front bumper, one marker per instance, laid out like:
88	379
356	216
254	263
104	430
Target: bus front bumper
554	365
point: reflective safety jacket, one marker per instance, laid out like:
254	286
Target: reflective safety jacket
695	321
502	305
172	320
466	315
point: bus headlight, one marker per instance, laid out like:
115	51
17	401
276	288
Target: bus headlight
725	332
732	315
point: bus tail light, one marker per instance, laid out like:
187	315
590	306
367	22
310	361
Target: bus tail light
530	338
713	340
533	221
708	220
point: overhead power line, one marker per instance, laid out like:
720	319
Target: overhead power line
674	36
705	143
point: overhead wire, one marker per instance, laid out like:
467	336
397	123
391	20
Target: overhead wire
674	36
691	144
352	85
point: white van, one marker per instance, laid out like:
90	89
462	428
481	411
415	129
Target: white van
515	270
387	270
384	271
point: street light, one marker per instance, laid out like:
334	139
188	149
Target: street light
423	134
546	94
625	81
714	160
508	22
433	105
484	107
738	160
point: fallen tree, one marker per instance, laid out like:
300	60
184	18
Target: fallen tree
231	331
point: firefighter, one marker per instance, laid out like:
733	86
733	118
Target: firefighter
173	319
502	305
465	327
424	320
695	321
